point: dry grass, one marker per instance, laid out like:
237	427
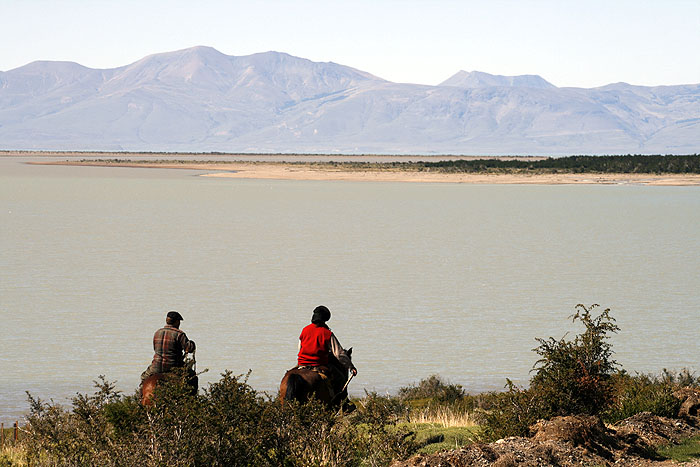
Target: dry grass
443	416
13	455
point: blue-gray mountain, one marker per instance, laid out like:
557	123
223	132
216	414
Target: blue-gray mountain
201	100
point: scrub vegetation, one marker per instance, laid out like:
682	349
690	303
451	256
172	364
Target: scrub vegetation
636	164
628	164
230	423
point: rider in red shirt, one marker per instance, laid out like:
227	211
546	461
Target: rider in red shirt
317	342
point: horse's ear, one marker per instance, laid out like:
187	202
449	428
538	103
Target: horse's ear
349	351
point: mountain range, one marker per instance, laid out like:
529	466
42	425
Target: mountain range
200	100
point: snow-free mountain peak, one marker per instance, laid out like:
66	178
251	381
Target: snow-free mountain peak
479	79
261	74
200	100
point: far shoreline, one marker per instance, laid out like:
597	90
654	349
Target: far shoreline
330	167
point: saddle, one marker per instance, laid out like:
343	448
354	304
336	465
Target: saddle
320	369
324	372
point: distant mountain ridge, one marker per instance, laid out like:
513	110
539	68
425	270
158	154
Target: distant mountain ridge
201	100
478	79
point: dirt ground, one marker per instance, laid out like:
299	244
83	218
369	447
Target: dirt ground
582	440
572	441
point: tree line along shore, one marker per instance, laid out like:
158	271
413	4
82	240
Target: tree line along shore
576	164
628	164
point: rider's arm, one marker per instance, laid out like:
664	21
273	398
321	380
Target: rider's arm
340	353
187	345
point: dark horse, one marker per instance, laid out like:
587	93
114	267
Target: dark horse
301	384
186	375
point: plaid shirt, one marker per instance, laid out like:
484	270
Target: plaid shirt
170	345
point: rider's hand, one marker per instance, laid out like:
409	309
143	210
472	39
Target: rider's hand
354	371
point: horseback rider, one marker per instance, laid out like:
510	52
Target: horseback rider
317	343
170	345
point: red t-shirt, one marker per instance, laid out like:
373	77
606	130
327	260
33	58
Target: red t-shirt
315	342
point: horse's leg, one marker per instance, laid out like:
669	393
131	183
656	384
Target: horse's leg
318	388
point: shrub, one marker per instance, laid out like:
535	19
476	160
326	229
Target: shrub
374	408
511	414
229	424
647	393
125	415
433	388
684	378
434	401
380	439
573	377
82	436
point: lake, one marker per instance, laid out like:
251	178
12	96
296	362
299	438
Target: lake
449	279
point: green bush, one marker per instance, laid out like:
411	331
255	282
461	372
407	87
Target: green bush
684	378
579	376
573	377
433	395
433	388
511	413
374	408
228	423
647	393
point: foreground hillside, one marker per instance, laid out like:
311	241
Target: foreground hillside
230	424
199	99
576	441
580	409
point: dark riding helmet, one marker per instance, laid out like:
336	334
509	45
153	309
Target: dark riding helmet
321	315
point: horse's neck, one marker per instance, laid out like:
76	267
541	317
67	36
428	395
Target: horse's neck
335	363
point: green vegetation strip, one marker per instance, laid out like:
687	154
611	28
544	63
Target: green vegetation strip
433	437
685	452
573	164
633	164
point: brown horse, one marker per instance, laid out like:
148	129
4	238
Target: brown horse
301	384
149	385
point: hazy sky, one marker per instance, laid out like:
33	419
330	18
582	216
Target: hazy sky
582	43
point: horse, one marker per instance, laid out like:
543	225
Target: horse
148	387
187	373
301	384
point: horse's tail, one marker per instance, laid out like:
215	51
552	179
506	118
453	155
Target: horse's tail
295	388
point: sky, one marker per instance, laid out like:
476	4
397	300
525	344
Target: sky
581	43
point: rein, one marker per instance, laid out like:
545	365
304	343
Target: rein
344	387
347	382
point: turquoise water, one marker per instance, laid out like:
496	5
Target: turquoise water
422	279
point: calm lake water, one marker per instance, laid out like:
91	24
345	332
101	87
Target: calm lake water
449	279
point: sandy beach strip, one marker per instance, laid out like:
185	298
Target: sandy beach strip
330	172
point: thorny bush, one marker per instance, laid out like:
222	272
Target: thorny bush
228	423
